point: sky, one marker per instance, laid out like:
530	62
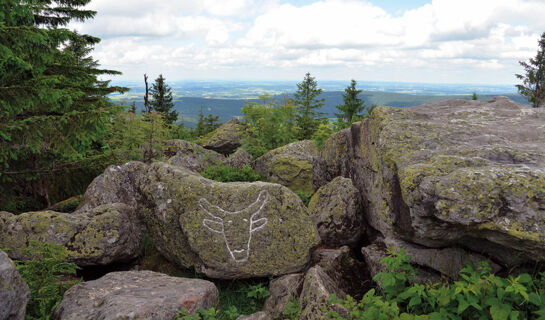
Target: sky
437	41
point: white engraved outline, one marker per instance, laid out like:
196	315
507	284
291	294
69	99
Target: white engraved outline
263	221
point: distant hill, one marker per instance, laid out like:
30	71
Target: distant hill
189	107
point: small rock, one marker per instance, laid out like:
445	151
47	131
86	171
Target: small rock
136	295
317	288
282	290
297	166
227	138
239	159
337	211
14	292
194	157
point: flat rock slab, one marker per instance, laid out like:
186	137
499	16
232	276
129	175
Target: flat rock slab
227	137
136	295
14	292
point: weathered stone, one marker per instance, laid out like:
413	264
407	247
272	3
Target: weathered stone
349	275
447	261
239	159
136	295
255	316
317	288
226	230
105	234
194	157
336	210
227	137
452	173
69	205
14	292
282	290
116	185
297	166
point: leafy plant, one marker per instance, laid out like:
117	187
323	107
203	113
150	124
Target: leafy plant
292	311
44	274
478	294
200	314
305	197
258	292
321	135
227	174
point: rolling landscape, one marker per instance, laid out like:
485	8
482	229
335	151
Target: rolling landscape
226	98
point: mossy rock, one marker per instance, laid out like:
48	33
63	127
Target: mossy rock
297	166
14	292
100	236
227	138
226	230
192	156
452	173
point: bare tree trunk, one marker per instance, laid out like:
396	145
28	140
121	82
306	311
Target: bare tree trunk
148	153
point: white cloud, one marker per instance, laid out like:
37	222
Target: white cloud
239	35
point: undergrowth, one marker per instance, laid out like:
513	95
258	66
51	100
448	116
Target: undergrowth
478	294
48	276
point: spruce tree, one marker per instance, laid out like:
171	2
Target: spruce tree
352	106
307	102
533	82
161	101
53	108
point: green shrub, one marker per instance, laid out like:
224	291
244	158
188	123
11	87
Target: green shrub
227	174
292	311
478	294
321	135
44	274
305	197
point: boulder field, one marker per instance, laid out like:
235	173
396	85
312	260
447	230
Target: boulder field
452	182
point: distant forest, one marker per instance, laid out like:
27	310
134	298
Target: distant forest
188	108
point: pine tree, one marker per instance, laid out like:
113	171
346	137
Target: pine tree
54	113
306	100
161	101
533	82
352	106
211	123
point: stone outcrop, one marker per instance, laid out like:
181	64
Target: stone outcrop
256	316
454	173
227	137
337	211
14	292
239	159
226	230
136	295
297	166
105	234
194	157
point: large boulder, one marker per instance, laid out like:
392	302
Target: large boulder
105	234
14	292
194	157
136	295
297	166
337	211
226	230
452	173
227	137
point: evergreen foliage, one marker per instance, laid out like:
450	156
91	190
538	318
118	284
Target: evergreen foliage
353	105
307	104
533	81
44	273
54	113
223	173
269	125
161	101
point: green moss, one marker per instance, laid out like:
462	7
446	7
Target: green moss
294	173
